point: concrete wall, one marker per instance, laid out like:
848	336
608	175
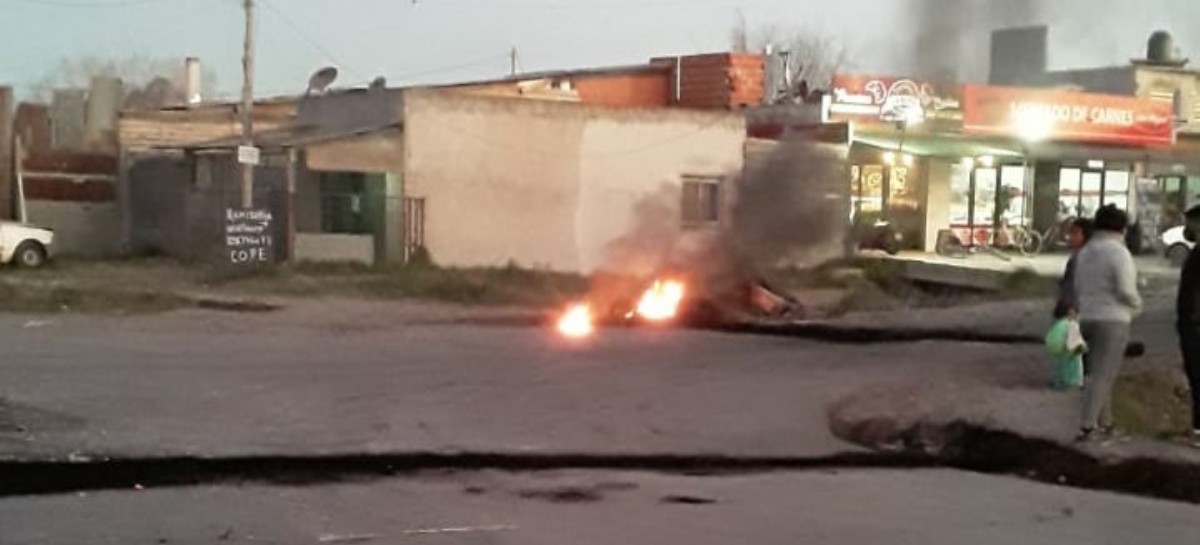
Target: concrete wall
68	110
632	89
547	184
1117	80
1162	83
178	210
335	248
368	154
80	229
1018	55
646	89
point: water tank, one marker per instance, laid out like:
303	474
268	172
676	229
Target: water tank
1161	48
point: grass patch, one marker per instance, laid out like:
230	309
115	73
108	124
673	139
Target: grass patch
1028	284
1152	404
46	299
509	285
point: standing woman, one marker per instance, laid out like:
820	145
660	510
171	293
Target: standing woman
1107	287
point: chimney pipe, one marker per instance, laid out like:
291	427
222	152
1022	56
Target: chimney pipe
192	80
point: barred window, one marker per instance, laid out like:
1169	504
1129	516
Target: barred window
701	200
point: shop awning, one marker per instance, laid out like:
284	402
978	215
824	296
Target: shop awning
952	146
1185	155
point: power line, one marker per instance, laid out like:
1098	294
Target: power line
316	44
456	67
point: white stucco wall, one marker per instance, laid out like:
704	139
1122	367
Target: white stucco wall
326	247
545	184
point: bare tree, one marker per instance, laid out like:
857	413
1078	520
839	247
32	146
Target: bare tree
813	57
149	82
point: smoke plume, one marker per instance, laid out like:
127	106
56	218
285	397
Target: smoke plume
953	36
789	207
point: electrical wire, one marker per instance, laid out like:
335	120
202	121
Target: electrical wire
452	68
312	41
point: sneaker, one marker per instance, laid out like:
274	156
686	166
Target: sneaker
1088	435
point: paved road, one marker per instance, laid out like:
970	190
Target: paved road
332	377
855	507
304	381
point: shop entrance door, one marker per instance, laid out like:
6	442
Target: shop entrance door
866	192
983	205
1083	191
991	189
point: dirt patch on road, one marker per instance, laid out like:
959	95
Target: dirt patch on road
1153	404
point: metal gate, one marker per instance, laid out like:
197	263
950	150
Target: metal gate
414	226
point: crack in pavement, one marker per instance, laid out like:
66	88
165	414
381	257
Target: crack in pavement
842	334
25	478
815	330
956	445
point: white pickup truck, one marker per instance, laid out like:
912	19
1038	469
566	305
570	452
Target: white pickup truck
25	245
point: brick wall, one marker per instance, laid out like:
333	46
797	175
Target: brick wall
645	90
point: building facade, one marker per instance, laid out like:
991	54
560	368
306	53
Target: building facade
471	180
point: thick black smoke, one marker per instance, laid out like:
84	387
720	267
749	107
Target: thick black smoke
953	36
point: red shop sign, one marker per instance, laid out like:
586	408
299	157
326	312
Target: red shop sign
1036	114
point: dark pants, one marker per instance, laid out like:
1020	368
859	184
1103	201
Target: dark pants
1189	344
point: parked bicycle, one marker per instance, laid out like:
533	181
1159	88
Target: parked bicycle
1030	242
1019	239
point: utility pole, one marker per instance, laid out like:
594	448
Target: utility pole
248	105
512	61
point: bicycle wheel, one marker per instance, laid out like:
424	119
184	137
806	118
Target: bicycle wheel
1030	243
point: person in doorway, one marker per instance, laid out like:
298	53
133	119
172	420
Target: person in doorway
1187	310
1106	284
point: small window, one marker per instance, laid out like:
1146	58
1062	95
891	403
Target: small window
701	200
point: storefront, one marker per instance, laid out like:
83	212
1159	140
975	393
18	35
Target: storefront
973	158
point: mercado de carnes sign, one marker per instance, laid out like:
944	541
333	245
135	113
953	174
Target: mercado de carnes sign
1059	115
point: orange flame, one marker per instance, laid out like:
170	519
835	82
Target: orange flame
661	302
577	322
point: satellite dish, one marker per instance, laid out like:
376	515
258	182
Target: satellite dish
379	84
321	80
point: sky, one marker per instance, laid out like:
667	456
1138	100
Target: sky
456	40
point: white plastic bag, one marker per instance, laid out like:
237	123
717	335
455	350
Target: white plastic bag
1075	342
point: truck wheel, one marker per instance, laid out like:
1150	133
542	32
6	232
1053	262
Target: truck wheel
30	255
